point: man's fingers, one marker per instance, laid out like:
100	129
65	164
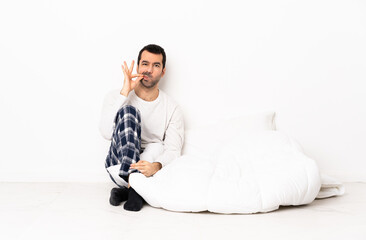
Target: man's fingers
140	165
138	79
136	167
137	75
124	71
131	68
126	67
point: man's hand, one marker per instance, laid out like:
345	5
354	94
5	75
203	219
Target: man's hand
128	83
146	168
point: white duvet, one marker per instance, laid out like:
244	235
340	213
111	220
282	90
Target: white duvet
235	171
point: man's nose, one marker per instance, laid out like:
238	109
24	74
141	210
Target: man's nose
150	69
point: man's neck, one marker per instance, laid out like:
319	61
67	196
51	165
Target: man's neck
146	93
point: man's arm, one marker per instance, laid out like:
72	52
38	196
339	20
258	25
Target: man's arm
173	143
174	138
114	100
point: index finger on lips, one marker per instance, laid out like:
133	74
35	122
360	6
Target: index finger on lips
136	75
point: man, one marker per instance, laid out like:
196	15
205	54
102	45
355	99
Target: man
142	122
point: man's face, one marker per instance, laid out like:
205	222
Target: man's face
151	66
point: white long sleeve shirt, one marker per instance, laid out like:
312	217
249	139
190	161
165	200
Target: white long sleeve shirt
161	122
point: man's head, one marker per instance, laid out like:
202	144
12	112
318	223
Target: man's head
155	49
151	63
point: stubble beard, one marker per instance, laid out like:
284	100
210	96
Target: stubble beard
150	84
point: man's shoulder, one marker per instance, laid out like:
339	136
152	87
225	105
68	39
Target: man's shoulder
168	99
172	105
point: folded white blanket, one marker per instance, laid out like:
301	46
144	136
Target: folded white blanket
330	187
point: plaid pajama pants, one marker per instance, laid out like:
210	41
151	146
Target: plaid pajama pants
125	146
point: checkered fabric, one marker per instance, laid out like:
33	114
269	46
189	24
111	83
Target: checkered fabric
125	146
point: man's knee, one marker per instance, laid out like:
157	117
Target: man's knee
130	110
128	117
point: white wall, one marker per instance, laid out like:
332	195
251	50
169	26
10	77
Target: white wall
303	59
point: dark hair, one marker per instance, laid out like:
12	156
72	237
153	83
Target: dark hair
152	48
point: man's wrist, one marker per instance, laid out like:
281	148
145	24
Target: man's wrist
124	92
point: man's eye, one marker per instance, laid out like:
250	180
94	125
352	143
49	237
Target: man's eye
144	64
157	65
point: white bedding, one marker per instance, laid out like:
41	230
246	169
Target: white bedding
236	165
250	172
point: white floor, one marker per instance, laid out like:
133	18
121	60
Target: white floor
82	211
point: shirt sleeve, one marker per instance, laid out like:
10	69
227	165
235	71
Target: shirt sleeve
112	102
174	138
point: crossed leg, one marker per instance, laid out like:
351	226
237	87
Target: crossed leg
125	149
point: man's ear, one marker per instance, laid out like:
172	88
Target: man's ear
163	72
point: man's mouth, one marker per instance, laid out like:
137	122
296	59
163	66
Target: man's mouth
146	77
